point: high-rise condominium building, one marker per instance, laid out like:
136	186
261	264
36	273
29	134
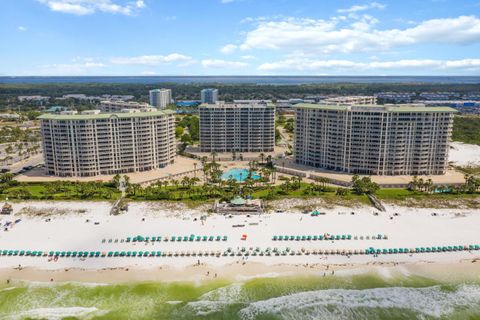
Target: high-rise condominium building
209	95
226	127
160	98
377	140
94	143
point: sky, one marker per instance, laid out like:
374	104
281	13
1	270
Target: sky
239	37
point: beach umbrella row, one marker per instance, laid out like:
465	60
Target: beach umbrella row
325	236
189	238
372	250
240	252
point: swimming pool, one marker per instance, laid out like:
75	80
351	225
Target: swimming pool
239	174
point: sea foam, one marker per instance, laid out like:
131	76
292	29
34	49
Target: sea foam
354	304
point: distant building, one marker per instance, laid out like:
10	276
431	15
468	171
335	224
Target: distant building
94	143
351	100
57	109
209	95
374	140
116	105
33	98
262	101
395	97
9	116
160	98
226	127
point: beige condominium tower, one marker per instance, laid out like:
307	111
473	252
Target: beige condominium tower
95	143
374	140
226	127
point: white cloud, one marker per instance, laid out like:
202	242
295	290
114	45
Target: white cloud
148	73
22	28
84	7
229	48
226	1
248	57
371	5
69	69
152	59
223	64
311	65
333	36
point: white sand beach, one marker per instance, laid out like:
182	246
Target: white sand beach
462	154
82	226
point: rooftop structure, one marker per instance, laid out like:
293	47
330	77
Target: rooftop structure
226	127
351	100
374	139
117	105
94	143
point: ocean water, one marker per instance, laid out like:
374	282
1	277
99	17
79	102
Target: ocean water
276	80
366	296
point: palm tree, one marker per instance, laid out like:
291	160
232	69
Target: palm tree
262	157
185	181
429	185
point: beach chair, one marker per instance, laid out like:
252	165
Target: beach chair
204	238
159	238
274	238
210	238
185	238
218	238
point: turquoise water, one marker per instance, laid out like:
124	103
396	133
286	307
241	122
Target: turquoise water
239	174
353	297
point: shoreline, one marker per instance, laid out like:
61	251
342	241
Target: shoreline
460	271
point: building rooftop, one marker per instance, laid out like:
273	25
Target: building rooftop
105	115
378	108
235	105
